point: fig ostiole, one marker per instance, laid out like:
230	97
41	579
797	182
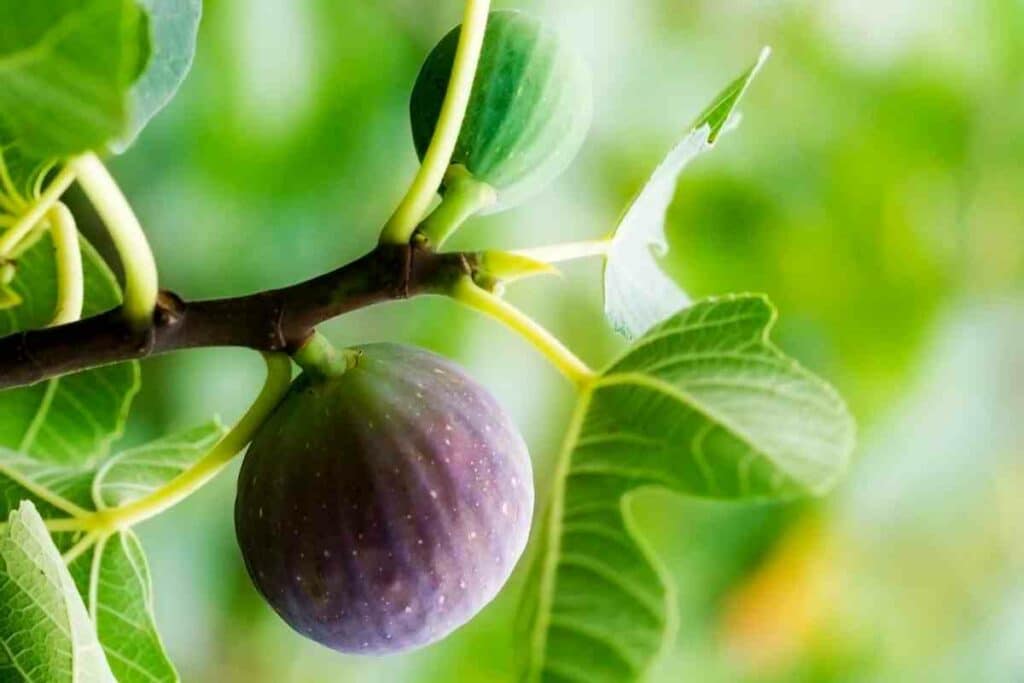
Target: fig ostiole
382	507
529	109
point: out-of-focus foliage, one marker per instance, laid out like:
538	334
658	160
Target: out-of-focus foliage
873	191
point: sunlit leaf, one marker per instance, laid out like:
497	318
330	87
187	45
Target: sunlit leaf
638	294
76	417
173	26
121	478
702	405
66	67
136	472
112	576
45	631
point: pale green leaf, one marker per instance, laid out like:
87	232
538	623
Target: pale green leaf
113	576
638	294
45	631
76	417
66	67
60	490
702	405
173	27
136	472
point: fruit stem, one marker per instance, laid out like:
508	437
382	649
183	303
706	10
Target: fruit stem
464	197
141	288
16	233
569	251
410	211
569	364
320	358
70	280
279	377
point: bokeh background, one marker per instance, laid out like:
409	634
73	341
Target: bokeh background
875	191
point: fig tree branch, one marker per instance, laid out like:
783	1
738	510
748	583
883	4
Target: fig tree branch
274	320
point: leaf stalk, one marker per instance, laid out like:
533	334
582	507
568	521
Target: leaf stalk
140	273
569	364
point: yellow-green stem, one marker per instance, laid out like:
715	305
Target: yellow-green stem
76	550
35	213
464	197
320	357
570	365
141	288
279	375
70	279
570	251
442	145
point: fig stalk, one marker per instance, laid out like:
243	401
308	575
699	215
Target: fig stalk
319	357
464	197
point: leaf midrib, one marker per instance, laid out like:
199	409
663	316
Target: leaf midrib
553	541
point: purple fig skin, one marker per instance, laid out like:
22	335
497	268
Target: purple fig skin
380	510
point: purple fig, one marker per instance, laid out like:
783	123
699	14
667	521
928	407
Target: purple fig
380	509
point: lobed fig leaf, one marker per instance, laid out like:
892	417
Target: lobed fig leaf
45	630
528	113
381	509
112	576
702	405
638	294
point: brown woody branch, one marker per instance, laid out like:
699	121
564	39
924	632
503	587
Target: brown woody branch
275	320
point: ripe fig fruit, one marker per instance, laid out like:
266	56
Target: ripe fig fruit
381	509
529	110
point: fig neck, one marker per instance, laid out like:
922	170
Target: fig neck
320	359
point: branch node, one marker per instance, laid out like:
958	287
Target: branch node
170	309
278	338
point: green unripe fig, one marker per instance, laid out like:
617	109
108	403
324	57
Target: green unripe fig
529	110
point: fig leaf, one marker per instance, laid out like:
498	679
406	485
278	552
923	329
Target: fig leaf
45	629
112	576
173	26
637	292
73	418
703	405
66	69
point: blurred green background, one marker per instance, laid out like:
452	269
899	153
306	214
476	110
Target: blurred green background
875	191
